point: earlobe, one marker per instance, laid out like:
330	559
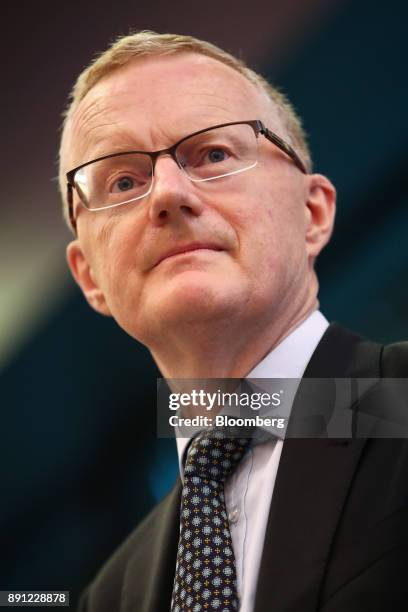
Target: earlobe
321	210
83	275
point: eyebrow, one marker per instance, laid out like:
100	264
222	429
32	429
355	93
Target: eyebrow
108	148
117	142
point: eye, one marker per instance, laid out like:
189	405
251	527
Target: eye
217	155
125	183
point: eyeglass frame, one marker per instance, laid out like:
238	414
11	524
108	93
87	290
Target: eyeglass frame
255	124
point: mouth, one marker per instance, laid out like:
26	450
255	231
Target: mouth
188	248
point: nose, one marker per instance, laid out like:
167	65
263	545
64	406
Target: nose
173	197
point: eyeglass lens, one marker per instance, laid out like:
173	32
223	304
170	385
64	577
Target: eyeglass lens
212	154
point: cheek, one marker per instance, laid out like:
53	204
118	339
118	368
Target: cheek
271	235
283	211
259	227
114	255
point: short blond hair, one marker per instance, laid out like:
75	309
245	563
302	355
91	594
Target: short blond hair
147	43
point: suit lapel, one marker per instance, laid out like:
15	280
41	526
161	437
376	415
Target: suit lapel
311	488
148	582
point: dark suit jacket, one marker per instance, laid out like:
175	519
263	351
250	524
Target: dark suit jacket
337	534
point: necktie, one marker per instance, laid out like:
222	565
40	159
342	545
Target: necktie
205	577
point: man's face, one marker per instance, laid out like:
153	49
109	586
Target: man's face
254	258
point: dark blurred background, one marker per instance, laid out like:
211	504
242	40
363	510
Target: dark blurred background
80	463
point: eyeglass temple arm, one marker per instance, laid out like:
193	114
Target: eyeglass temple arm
284	147
71	216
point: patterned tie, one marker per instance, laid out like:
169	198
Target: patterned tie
205	577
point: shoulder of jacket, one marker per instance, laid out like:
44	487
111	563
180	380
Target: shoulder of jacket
395	360
105	591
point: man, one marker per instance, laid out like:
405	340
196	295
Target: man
204	251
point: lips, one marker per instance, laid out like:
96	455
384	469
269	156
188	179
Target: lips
186	248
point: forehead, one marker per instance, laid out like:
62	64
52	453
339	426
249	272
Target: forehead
152	102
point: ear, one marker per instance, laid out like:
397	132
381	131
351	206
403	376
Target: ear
321	210
82	273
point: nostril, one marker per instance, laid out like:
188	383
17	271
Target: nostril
163	214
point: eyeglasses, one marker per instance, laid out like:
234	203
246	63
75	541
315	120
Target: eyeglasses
212	153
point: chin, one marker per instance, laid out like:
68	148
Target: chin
196	300
191	302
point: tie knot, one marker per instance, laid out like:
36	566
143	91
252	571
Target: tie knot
214	454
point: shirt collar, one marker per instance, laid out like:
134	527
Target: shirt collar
290	357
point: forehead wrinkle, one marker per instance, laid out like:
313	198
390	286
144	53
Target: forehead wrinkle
87	111
89	116
208	99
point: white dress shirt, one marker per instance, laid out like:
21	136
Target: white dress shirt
249	490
